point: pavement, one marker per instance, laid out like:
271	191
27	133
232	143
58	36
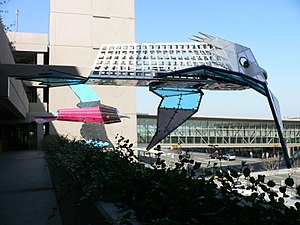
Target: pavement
26	192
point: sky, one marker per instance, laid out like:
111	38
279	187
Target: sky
271	28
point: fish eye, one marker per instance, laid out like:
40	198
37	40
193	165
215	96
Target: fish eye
244	62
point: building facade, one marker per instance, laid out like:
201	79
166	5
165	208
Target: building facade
13	101
18	99
77	29
239	135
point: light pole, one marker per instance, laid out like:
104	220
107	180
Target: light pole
17	19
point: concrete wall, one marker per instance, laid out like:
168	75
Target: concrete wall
5	57
29	42
37	44
77	28
13	99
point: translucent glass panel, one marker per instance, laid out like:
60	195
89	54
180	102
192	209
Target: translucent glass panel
179	98
177	106
84	93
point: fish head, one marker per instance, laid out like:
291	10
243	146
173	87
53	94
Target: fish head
231	56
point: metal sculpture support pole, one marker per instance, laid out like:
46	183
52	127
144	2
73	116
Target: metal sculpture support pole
274	105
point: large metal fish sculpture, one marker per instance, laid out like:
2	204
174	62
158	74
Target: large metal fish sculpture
231	67
179	72
176	72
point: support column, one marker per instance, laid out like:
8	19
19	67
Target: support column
40	58
290	151
40	136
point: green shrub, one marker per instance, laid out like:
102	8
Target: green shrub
161	195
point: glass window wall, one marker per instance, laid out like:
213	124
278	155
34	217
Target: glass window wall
200	130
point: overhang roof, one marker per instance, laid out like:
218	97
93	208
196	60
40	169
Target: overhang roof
49	75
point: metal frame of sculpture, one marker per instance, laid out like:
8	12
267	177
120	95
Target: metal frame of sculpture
178	73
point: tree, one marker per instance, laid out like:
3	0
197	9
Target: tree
270	163
3	11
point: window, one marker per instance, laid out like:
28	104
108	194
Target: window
46	94
25	57
31	94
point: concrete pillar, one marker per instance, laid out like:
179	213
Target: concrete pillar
289	151
40	58
40	136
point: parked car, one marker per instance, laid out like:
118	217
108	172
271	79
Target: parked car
216	155
229	156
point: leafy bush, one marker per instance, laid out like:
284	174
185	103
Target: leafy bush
161	195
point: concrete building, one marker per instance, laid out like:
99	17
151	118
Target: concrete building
239	135
14	104
22	99
77	29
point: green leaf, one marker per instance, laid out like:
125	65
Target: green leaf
264	187
197	165
298	190
282	189
273	194
281	200
233	173
289	181
285	196
246	172
184	160
297	204
228	177
252	180
271	183
262	195
254	195
219	174
261	178
208	172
